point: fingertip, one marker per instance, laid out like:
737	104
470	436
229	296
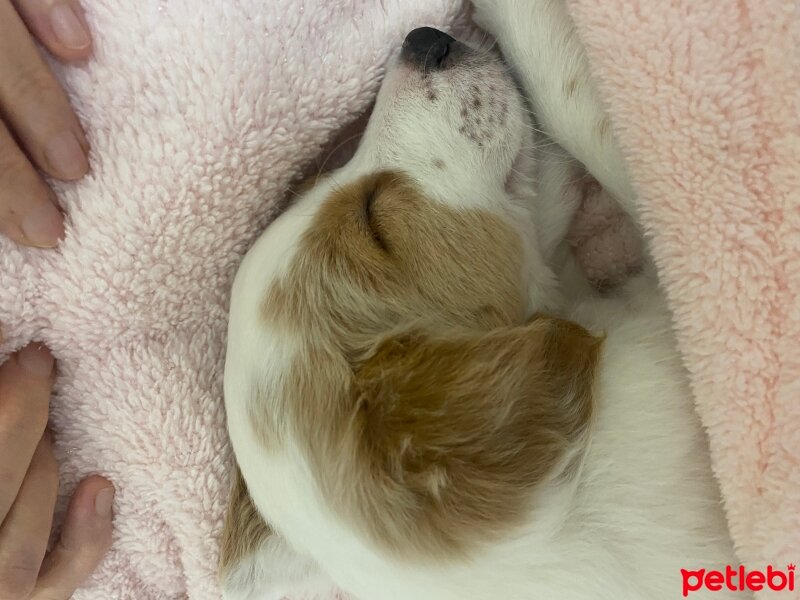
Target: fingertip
93	494
37	360
61	26
93	507
85	538
89	515
66	156
68	56
69	26
95	481
104	502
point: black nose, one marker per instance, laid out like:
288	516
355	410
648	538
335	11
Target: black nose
427	47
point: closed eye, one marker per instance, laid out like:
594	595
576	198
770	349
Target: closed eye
372	222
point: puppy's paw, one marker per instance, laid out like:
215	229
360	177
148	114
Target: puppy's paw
605	240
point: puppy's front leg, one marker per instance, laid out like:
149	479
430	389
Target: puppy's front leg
558	196
561	186
539	40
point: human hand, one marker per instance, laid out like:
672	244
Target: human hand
28	488
38	128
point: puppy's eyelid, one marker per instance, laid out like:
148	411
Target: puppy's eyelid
372	227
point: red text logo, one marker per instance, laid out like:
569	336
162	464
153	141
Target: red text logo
738	580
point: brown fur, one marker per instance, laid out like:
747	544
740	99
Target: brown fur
428	410
432	262
244	529
455	431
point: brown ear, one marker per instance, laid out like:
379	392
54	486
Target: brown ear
244	531
456	431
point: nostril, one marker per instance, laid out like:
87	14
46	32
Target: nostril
427	47
441	52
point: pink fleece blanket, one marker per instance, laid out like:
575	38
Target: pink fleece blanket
201	113
705	100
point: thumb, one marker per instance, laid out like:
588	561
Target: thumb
85	538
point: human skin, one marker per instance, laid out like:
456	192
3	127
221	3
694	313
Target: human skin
39	132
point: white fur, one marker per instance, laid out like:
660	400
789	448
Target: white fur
644	503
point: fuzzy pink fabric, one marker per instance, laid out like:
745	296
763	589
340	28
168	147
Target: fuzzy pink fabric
201	113
705	100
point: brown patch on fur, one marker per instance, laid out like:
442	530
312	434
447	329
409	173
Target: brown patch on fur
454	431
244	531
432	263
439	164
427	408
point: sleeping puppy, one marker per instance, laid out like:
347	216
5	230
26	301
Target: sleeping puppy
425	398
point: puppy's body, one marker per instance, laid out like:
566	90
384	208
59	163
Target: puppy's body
643	506
401	413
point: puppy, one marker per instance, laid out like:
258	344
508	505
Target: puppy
425	398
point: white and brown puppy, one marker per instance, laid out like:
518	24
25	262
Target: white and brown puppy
418	407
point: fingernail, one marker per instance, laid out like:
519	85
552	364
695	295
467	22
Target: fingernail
66	156
36	360
43	226
68	27
104	501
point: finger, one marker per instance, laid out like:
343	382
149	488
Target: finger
85	538
25	383
27	212
24	533
59	25
34	106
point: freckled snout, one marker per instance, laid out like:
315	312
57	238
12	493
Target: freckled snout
427	48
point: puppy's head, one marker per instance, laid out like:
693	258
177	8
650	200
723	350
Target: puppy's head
396	295
451	118
425	221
